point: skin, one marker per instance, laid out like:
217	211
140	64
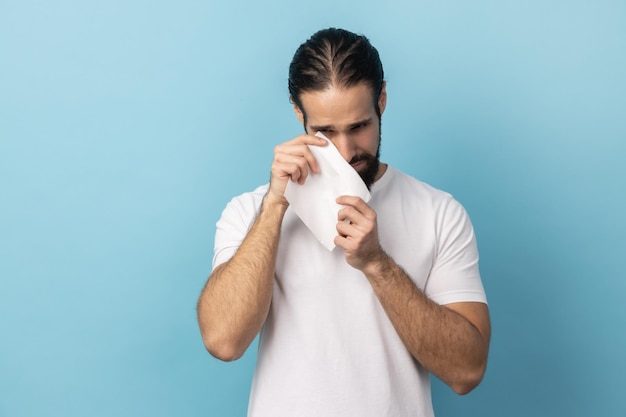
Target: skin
451	341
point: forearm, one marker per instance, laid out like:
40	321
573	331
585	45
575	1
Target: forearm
236	298
442	340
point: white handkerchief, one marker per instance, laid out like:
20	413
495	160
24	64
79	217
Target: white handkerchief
314	201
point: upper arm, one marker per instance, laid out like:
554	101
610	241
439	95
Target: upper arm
455	276
234	224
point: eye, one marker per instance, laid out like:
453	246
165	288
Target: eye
359	126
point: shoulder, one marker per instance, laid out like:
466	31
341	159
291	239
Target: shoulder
434	205
412	189
241	211
247	204
235	222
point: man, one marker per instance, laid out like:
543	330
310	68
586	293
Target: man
354	331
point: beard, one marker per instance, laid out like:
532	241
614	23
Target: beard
368	174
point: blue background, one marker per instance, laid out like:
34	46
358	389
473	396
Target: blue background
125	128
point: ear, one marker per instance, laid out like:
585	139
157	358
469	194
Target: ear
297	111
382	99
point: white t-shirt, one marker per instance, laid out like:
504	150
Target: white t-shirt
328	348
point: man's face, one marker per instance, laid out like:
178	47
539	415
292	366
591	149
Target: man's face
347	116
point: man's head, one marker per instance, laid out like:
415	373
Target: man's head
335	58
336	83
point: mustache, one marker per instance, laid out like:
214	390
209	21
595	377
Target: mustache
361	157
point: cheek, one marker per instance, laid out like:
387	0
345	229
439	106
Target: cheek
368	140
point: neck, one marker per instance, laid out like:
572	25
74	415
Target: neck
382	168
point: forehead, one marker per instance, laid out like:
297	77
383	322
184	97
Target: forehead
338	106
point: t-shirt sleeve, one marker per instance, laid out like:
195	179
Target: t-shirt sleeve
455	276
233	226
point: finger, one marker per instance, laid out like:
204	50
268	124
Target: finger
349	215
308	140
353	216
308	155
292	155
298	147
295	167
350	200
345	243
305	140
345	229
311	161
340	241
358	204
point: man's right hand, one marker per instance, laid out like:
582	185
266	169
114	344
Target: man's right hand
292	161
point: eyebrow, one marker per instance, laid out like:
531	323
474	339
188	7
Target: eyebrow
350	126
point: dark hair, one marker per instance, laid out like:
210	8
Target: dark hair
335	57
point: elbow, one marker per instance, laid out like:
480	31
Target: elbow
224	353
464	388
219	342
470	380
223	349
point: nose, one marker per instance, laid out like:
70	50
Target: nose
345	146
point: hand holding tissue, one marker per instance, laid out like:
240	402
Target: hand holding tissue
315	201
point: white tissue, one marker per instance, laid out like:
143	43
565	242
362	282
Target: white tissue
314	201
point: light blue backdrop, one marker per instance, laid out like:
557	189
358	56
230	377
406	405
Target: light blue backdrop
125	127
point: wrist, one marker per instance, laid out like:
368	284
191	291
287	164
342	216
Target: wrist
379	266
274	203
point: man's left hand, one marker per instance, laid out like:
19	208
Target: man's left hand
358	232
